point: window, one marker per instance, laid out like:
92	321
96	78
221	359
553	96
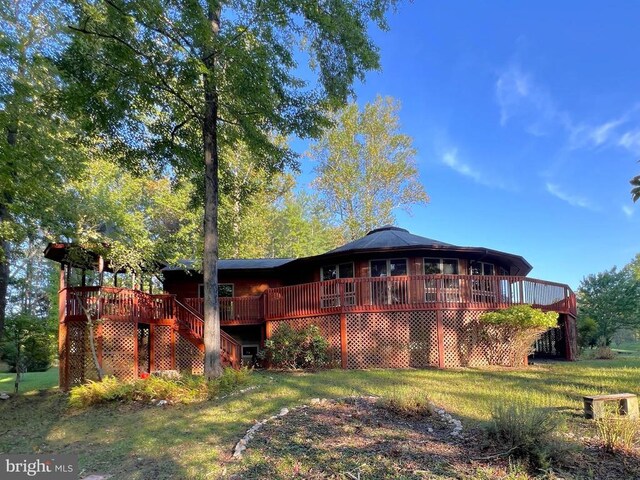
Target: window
482	290
481	268
449	287
389	291
250	354
447	266
330	293
224	290
331	272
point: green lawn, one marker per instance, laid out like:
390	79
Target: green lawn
195	441
30	382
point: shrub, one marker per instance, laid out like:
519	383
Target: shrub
617	433
187	389
509	334
290	348
410	402
604	352
526	431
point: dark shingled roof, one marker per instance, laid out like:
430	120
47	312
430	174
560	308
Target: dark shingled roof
388	237
236	264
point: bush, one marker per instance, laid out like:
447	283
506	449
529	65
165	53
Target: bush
526	431
617	433
409	402
509	334
187	389
290	348
604	353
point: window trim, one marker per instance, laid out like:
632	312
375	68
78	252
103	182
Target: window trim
337	265
441	265
493	265
388	260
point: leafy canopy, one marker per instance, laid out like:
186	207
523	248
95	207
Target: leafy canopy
521	317
138	70
366	168
612	299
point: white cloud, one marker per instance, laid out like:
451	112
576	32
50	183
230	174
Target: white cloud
573	200
450	159
519	97
631	141
627	210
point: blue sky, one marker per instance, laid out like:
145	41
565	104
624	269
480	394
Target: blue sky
526	118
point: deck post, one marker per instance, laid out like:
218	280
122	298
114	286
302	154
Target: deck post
343	340
62	330
152	350
173	348
440	335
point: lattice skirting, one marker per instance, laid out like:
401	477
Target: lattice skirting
119	349
163	355
329	326
410	339
392	340
188	357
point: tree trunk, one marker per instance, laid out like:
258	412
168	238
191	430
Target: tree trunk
5	201
212	358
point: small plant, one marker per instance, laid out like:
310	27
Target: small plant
604	352
410	402
617	433
290	348
526	431
187	389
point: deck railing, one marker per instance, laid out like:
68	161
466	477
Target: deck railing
364	294
117	304
233	310
419	292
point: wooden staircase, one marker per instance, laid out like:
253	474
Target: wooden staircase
191	326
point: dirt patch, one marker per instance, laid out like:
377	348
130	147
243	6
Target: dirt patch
359	439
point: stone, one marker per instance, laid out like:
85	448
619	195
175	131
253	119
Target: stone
162	403
283	412
97	476
168	374
314	401
4	396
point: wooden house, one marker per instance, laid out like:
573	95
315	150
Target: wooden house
390	299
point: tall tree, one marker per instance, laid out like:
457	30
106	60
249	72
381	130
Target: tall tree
366	168
612	299
175	81
38	147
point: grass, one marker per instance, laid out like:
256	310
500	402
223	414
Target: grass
30	382
139	441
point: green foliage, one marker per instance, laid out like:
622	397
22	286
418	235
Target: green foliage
27	344
290	348
525	431
635	190
509	334
612	299
408	401
521	317
617	433
366	168
187	389
587	332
